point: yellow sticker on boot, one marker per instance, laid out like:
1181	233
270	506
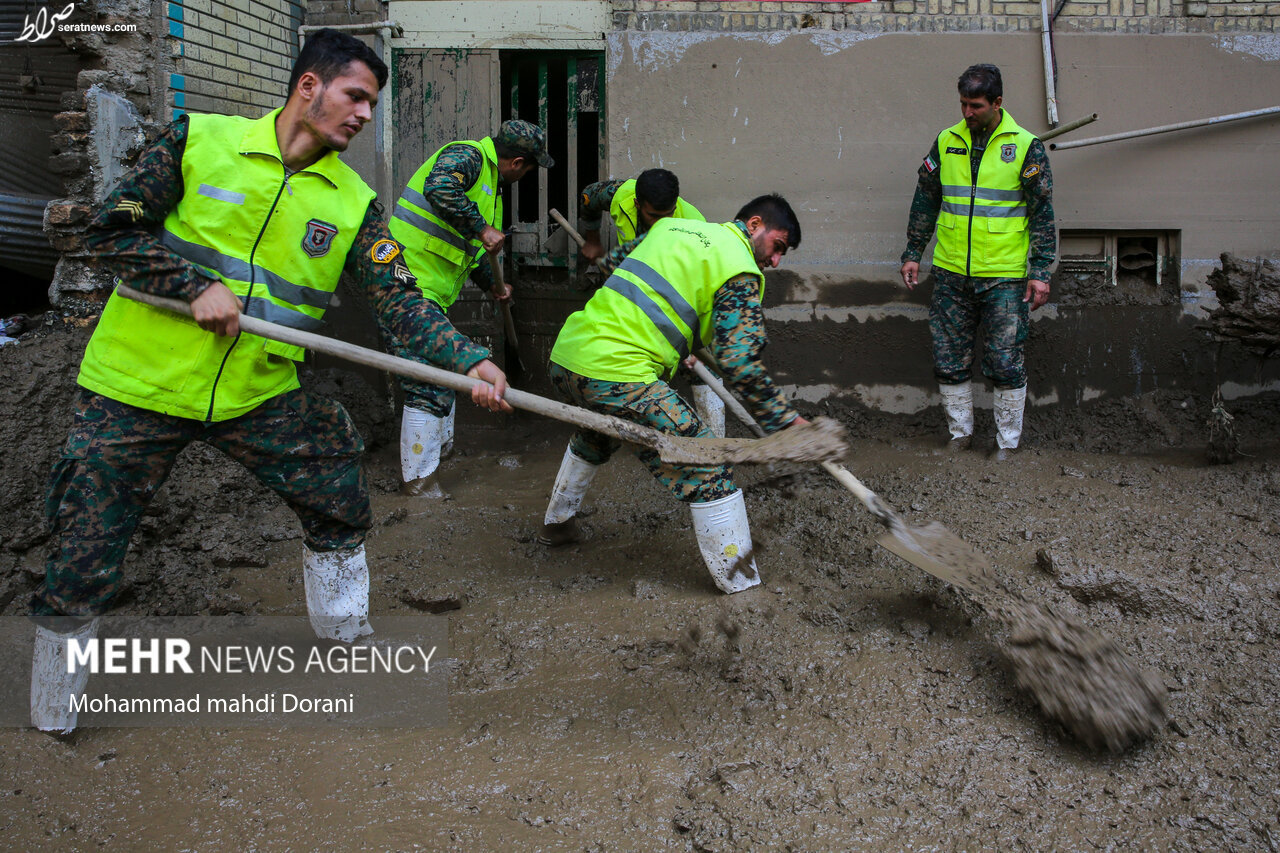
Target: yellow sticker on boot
731	550
417	448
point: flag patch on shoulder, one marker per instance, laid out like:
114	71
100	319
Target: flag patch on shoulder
930	165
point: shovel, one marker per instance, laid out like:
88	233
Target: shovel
510	340
824	439
932	547
569	229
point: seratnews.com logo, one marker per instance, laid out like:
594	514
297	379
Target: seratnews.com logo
44	23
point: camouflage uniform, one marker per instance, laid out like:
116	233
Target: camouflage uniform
302	446
961	302
595	202
738	341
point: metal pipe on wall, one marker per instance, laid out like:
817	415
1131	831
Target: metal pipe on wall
1164	128
1050	91
1068	127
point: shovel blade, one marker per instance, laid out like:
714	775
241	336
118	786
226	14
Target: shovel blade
939	552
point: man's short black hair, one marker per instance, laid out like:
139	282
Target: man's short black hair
327	54
658	188
981	81
776	213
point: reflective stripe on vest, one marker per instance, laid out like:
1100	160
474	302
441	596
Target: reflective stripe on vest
687	313
656	307
437	254
626	219
983	230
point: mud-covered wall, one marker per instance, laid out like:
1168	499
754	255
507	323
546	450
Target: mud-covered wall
838	121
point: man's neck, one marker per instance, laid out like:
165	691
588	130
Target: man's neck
298	148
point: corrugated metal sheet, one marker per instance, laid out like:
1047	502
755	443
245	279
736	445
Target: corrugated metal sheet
53	64
23	244
24	155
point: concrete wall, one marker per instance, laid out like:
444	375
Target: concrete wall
837	120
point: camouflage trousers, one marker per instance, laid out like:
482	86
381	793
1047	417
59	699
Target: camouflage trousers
117	456
653	404
960	305
433	399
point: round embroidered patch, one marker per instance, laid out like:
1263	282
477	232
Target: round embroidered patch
384	251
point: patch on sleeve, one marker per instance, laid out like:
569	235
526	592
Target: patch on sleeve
384	251
585	200
132	208
929	164
401	273
1031	171
459	177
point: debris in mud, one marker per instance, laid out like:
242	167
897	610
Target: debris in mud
1248	309
1224	445
1083	680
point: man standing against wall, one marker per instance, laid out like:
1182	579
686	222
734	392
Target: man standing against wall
985	185
229	213
448	216
634	206
682	284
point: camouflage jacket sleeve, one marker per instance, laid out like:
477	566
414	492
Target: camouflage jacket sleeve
924	206
738	326
122	234
1037	188
402	312
456	170
595	202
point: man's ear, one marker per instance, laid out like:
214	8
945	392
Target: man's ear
754	223
309	85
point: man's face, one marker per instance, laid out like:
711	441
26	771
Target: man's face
768	245
647	214
979	113
514	169
340	108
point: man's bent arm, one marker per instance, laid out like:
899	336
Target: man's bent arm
737	320
456	170
123	231
401	310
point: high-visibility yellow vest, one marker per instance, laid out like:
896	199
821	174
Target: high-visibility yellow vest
437	254
626	218
281	244
983	227
656	307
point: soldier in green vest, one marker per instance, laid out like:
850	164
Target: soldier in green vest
232	214
682	286
986	188
634	206
447	218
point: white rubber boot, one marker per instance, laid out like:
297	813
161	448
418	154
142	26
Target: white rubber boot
724	537
1009	406
446	439
51	685
957	403
710	408
337	585
422	438
572	480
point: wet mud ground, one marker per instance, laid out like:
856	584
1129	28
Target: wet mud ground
606	697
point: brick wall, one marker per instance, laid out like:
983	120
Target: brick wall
938	16
232	56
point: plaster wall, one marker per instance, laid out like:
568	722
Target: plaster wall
838	121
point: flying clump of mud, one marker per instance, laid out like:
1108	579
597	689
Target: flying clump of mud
1082	679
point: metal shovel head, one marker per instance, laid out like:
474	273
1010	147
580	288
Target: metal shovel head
939	552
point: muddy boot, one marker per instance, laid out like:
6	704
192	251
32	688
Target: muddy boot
1009	405
559	527
422	439
957	404
724	538
710	408
337	587
51	685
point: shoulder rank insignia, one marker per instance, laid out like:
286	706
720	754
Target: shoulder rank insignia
319	238
1009	152
384	251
